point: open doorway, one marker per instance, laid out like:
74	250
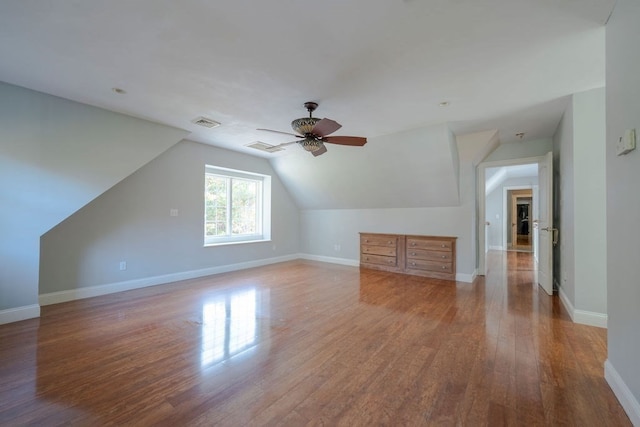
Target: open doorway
507	203
519	220
494	175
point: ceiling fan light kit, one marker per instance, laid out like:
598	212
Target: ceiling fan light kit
314	133
304	125
311	144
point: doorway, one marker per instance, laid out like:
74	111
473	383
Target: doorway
519	217
493	175
495	180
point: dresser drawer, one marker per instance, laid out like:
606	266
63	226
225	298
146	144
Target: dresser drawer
432	245
379	260
379	250
379	240
419	264
429	255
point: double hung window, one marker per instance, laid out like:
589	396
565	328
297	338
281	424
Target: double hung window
236	206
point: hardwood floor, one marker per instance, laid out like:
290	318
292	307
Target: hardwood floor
306	343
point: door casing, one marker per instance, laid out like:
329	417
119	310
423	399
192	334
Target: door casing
481	202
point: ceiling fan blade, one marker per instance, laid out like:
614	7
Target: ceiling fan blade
325	127
346	140
322	150
284	133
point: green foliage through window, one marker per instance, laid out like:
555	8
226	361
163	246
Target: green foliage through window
232	206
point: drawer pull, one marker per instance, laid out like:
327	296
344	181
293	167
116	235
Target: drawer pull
444	246
444	267
390	262
366	240
413	243
366	258
444	256
413	263
413	253
389	242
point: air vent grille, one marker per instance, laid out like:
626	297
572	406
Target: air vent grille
203	121
264	147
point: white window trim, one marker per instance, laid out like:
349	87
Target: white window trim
264	214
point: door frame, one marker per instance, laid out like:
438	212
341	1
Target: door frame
524	192
481	204
506	206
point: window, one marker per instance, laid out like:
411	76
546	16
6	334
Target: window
237	206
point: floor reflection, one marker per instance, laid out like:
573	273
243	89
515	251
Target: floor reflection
399	292
229	325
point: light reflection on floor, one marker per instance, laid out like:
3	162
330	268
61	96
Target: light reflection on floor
229	326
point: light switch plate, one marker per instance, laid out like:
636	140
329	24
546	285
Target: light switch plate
627	142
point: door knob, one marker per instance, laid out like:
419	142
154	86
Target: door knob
555	234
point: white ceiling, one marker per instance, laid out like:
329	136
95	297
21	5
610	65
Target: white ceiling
376	66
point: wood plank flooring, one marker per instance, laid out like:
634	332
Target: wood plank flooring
306	343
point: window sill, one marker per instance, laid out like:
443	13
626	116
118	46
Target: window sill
237	242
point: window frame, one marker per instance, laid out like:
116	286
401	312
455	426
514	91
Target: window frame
263	208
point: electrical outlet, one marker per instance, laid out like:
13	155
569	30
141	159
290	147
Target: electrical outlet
173	212
123	265
336	247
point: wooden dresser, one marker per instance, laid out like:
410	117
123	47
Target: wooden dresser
429	256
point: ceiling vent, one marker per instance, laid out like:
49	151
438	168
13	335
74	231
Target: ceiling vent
203	121
264	147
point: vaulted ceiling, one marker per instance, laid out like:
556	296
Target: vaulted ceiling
378	67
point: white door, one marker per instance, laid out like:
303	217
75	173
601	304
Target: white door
534	231
544	228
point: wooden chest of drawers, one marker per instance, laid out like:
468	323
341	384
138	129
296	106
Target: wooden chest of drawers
429	256
380	251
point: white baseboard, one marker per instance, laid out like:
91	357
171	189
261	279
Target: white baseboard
332	260
590	318
496	248
94	291
460	277
17	314
468	278
622	392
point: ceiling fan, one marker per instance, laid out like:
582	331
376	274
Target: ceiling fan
313	133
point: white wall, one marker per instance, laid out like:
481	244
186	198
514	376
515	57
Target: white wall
55	156
323	229
581	271
589	197
130	222
623	207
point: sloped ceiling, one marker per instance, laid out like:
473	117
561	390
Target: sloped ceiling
376	66
379	67
494	177
417	168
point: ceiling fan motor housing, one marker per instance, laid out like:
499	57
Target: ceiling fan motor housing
314	133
